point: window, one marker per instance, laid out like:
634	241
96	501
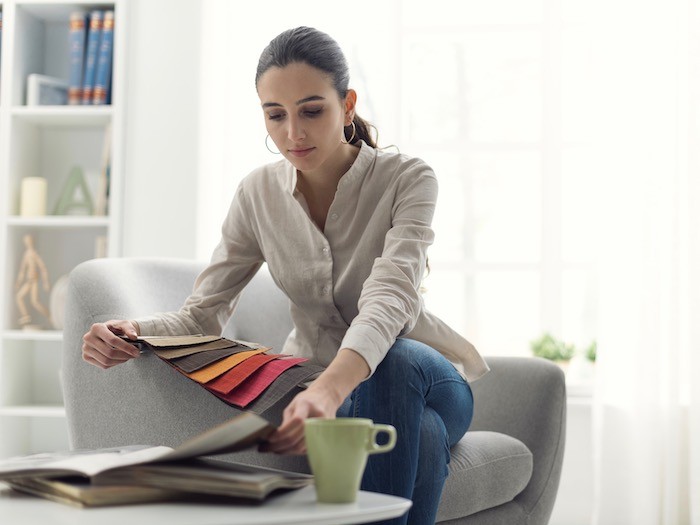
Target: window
490	94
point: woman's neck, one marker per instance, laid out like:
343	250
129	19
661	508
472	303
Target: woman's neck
319	186
327	176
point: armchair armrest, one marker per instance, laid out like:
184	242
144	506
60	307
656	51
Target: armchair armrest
526	398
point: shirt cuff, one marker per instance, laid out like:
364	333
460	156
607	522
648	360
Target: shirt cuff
147	326
368	342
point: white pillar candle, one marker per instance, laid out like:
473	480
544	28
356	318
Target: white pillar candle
33	197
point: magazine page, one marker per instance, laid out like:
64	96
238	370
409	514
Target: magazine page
80	462
239	433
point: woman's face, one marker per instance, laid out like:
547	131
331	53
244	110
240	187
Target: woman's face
304	115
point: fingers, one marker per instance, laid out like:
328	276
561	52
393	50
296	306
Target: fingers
103	362
289	437
292	442
122	328
104	349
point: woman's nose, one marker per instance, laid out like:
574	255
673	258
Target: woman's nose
295	131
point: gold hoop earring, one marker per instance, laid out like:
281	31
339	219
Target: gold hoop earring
352	137
269	148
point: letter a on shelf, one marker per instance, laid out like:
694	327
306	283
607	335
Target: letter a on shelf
75	195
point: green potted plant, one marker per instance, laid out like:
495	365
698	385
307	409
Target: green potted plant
592	351
549	347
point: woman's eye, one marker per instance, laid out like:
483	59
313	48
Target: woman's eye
275	116
313	112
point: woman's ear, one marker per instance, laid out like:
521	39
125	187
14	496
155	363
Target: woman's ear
350	101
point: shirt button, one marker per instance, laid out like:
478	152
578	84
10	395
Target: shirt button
334	216
325	290
325	249
334	318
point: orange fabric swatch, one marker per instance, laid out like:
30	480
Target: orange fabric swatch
206	374
225	383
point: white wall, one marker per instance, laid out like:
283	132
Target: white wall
162	128
574	505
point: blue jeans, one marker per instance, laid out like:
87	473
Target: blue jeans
419	392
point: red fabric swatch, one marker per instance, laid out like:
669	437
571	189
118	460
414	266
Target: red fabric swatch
234	377
257	383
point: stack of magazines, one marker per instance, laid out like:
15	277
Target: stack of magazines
138	474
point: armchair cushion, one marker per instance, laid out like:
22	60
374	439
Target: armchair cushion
490	467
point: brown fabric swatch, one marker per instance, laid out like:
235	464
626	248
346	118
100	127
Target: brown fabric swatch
173	353
193	362
176	341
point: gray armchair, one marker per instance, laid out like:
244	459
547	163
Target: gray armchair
504	471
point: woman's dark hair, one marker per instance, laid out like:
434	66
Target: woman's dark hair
315	48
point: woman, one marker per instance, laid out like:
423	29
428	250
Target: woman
344	229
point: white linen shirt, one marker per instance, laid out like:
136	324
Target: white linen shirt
353	285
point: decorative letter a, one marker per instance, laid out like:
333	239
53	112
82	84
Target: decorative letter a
75	195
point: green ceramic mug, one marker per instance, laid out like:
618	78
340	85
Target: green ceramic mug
338	450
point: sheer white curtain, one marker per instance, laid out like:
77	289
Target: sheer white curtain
647	397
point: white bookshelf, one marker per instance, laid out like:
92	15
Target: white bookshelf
48	141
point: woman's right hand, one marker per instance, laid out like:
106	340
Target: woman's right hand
103	347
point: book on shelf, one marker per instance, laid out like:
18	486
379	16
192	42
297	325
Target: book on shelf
103	75
134	474
94	33
91	37
76	35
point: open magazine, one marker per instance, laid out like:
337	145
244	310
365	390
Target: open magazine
120	474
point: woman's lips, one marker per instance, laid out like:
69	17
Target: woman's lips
301	152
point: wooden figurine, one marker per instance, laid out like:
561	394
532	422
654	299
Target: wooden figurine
31	270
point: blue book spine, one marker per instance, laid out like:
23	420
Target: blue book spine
93	44
76	35
103	76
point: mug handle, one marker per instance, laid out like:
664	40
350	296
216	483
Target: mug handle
373	447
